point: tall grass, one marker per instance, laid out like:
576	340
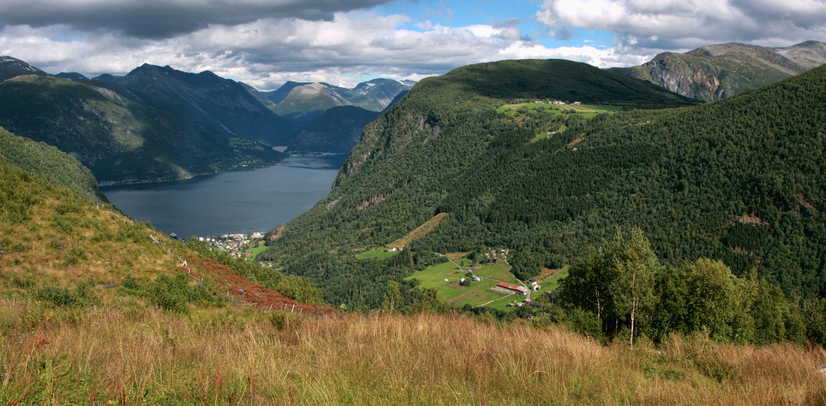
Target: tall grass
137	355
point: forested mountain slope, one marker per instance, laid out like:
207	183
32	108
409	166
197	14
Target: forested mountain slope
118	137
338	130
204	98
57	167
718	71
413	158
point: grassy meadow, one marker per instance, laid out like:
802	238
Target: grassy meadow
130	355
445	279
377	253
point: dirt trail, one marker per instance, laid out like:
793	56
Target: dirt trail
256	295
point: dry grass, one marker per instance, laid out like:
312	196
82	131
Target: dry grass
144	356
419	232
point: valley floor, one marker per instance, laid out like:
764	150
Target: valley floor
137	355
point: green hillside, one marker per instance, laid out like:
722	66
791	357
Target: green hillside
57	249
119	139
408	159
58	168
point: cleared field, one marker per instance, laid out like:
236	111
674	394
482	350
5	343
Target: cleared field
457	295
552	283
255	251
419	232
585	110
499	272
378	253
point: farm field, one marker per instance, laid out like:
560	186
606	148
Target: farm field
552	283
255	251
476	294
584	110
378	253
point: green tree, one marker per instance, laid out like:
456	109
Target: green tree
616	282
393	297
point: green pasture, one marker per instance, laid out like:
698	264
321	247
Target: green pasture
378	253
476	294
552	283
255	251
584	110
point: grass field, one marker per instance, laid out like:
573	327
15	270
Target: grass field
231	356
586	111
255	251
552	283
378	253
476	294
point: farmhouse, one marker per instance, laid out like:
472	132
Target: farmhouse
518	289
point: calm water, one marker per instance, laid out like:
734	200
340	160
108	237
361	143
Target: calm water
232	202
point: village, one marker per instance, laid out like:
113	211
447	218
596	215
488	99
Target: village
237	245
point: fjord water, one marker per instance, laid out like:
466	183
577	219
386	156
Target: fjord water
231	202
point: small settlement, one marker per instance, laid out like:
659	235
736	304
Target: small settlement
234	244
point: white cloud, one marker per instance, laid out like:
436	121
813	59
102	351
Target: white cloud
675	24
269	52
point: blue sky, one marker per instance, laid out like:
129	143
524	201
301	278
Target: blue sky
267	42
458	14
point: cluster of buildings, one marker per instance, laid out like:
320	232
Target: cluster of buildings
234	244
576	103
516	288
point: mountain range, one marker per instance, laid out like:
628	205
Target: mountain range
158	123
717	71
305	102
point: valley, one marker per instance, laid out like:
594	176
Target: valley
510	232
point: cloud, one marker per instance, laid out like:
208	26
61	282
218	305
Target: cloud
160	19
676	24
266	53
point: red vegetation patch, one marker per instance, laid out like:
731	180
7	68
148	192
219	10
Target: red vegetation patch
256	295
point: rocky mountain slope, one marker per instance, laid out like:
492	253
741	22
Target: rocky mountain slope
719	71
305	102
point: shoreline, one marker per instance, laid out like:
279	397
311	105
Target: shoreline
141	182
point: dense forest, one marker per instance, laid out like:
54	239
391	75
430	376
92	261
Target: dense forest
57	167
738	181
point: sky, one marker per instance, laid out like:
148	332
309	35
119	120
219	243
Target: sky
265	43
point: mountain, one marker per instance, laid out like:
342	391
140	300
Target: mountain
338	130
277	96
204	97
72	75
305	102
738	180
11	67
427	148
154	124
60	169
718	71
57	247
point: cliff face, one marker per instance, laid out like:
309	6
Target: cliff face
719	71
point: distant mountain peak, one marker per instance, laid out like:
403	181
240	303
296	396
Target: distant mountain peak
12	67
